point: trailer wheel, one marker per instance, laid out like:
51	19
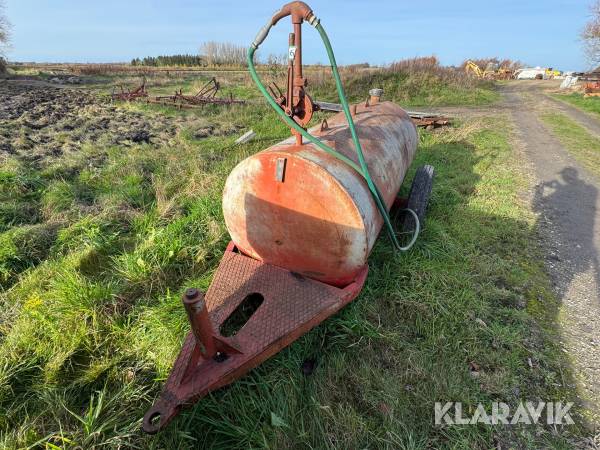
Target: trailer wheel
418	198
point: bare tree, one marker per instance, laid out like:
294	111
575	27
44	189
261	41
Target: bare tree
4	36
591	35
223	53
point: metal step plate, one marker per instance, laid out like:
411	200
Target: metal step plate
291	306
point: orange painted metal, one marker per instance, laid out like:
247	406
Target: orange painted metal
592	89
199	319
297	207
292	306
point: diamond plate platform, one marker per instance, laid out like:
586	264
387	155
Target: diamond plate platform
291	306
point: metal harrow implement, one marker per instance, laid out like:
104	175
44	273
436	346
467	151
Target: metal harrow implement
130	95
205	96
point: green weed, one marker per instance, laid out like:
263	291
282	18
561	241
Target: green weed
589	104
584	146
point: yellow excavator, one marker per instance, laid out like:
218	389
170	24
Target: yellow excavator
471	67
491	72
504	73
551	73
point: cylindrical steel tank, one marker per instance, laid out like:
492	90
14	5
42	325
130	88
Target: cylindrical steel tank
299	208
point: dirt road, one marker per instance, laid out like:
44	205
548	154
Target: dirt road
567	201
566	197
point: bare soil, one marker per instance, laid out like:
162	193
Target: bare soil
39	123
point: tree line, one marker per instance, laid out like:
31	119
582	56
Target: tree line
211	54
223	53
170	60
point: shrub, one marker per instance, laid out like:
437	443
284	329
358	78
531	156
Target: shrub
416	81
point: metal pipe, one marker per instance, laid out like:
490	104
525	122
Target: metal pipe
298	81
298	11
195	307
290	88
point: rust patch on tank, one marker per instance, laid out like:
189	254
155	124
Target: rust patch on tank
319	218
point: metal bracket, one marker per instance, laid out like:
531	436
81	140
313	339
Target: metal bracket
280	169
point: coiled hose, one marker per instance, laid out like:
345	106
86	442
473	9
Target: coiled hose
362	168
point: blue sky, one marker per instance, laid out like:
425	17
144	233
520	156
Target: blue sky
544	33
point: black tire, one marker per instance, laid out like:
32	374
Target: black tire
418	198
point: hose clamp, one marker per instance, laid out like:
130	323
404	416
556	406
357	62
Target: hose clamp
262	35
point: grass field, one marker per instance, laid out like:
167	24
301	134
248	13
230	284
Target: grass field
413	89
417	82
589	104
582	145
98	245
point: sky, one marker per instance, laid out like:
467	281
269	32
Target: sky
538	33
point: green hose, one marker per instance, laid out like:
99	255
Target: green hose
362	169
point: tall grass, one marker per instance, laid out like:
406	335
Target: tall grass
411	82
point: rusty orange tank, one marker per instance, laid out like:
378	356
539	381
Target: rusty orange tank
297	207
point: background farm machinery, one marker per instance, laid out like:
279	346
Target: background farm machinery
130	95
493	71
205	96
